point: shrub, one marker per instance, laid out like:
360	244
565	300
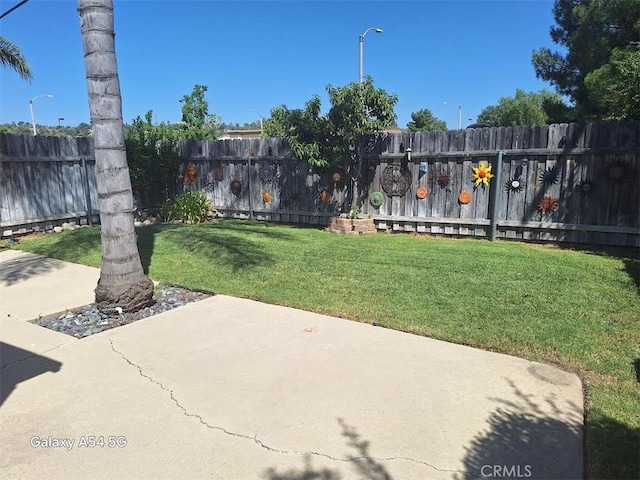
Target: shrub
189	207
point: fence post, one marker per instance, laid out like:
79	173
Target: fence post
494	201
250	189
87	193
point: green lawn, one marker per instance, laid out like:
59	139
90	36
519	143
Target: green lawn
577	309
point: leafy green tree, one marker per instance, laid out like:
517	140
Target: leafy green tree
590	31
12	57
525	108
331	139
424	121
198	123
615	87
152	152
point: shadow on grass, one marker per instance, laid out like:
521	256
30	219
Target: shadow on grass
617	455
628	255
146	240
360	460
18	365
235	244
68	246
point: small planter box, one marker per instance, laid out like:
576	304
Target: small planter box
352	226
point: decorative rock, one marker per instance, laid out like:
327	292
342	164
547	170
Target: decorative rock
137	223
88	320
57	229
147	222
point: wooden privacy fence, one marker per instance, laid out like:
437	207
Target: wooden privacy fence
45	181
566	182
572	183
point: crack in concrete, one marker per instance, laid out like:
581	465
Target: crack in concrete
260	442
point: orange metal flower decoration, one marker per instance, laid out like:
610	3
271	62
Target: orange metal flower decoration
266	197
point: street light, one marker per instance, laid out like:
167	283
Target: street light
33	118
377	30
459	112
261	118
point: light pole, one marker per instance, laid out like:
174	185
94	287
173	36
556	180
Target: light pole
377	30
33	118
459	113
261	118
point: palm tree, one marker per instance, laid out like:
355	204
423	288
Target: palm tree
122	280
11	57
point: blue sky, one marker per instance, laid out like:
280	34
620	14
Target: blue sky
260	54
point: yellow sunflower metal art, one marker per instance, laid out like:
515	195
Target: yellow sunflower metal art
482	175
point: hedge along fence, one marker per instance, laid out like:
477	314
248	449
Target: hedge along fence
46	180
586	177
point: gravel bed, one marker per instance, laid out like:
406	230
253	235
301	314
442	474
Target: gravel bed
89	320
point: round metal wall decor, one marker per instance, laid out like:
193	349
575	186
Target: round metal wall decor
585	187
422	192
266	197
396	180
236	187
376	199
464	197
336	178
618	170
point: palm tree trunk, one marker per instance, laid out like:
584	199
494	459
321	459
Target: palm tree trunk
122	280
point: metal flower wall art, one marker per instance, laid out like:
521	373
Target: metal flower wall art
585	187
515	185
548	204
266	197
444	180
482	174
549	176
